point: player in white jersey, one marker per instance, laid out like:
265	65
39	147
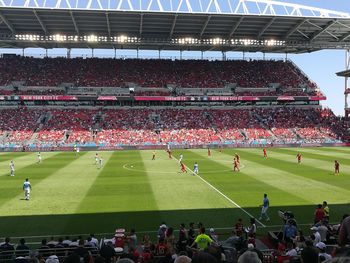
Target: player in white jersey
100	162
12	168
26	188
77	151
181	157
195	168
39	157
96	159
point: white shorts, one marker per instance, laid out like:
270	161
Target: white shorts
27	191
264	209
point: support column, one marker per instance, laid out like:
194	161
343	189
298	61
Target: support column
243	55
137	53
180	54
92	52
22	52
347	67
115	53
46	53
202	54
159	54
69	50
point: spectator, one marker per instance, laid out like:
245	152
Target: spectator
107	252
325	210
203	257
322	251
202	240
344	232
289	231
249	257
22	249
182	259
319	214
183	238
309	255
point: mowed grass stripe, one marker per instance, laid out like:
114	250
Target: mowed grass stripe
21	161
311	167
60	191
235	183
118	189
328	155
6	157
173	189
10	186
345	150
282	175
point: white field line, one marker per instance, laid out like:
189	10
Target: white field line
222	194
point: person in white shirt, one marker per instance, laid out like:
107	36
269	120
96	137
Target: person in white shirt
26	188
181	157
100	162
96	158
195	168
39	157
12	168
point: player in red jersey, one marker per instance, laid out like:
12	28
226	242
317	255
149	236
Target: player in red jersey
183	167
265	153
235	165
237	157
336	167
299	157
209	152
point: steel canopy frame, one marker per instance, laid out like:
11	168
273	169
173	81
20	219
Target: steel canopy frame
235	7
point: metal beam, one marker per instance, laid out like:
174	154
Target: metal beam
141	25
345	37
235	26
40	21
74	23
324	29
205	26
173	27
321	28
7	23
108	25
295	28
266	27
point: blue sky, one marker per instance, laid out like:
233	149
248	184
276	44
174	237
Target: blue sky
319	66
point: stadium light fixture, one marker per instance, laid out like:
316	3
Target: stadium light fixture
91	38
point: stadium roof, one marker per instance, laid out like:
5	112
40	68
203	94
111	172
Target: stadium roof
215	25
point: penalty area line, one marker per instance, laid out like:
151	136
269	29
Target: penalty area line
222	194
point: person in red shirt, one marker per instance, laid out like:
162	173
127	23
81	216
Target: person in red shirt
209	152
235	165
299	157
336	167
319	214
183	167
265	153
237	157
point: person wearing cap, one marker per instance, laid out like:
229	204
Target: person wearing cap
315	236
202	240
213	236
323	254
182	259
161	231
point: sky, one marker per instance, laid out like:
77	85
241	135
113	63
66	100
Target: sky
320	66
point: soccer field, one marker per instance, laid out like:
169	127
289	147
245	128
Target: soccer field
71	195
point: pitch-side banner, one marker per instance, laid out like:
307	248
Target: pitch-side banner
47	97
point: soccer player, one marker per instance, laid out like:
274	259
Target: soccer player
195	168
265	153
77	151
209	152
235	165
237	157
39	157
336	167
299	157
181	157
153	155
100	162
26	188
12	168
183	167
169	154
264	207
96	159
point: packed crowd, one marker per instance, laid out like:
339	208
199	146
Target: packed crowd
96	72
171	126
323	243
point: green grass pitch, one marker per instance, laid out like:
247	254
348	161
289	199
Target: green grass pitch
71	195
